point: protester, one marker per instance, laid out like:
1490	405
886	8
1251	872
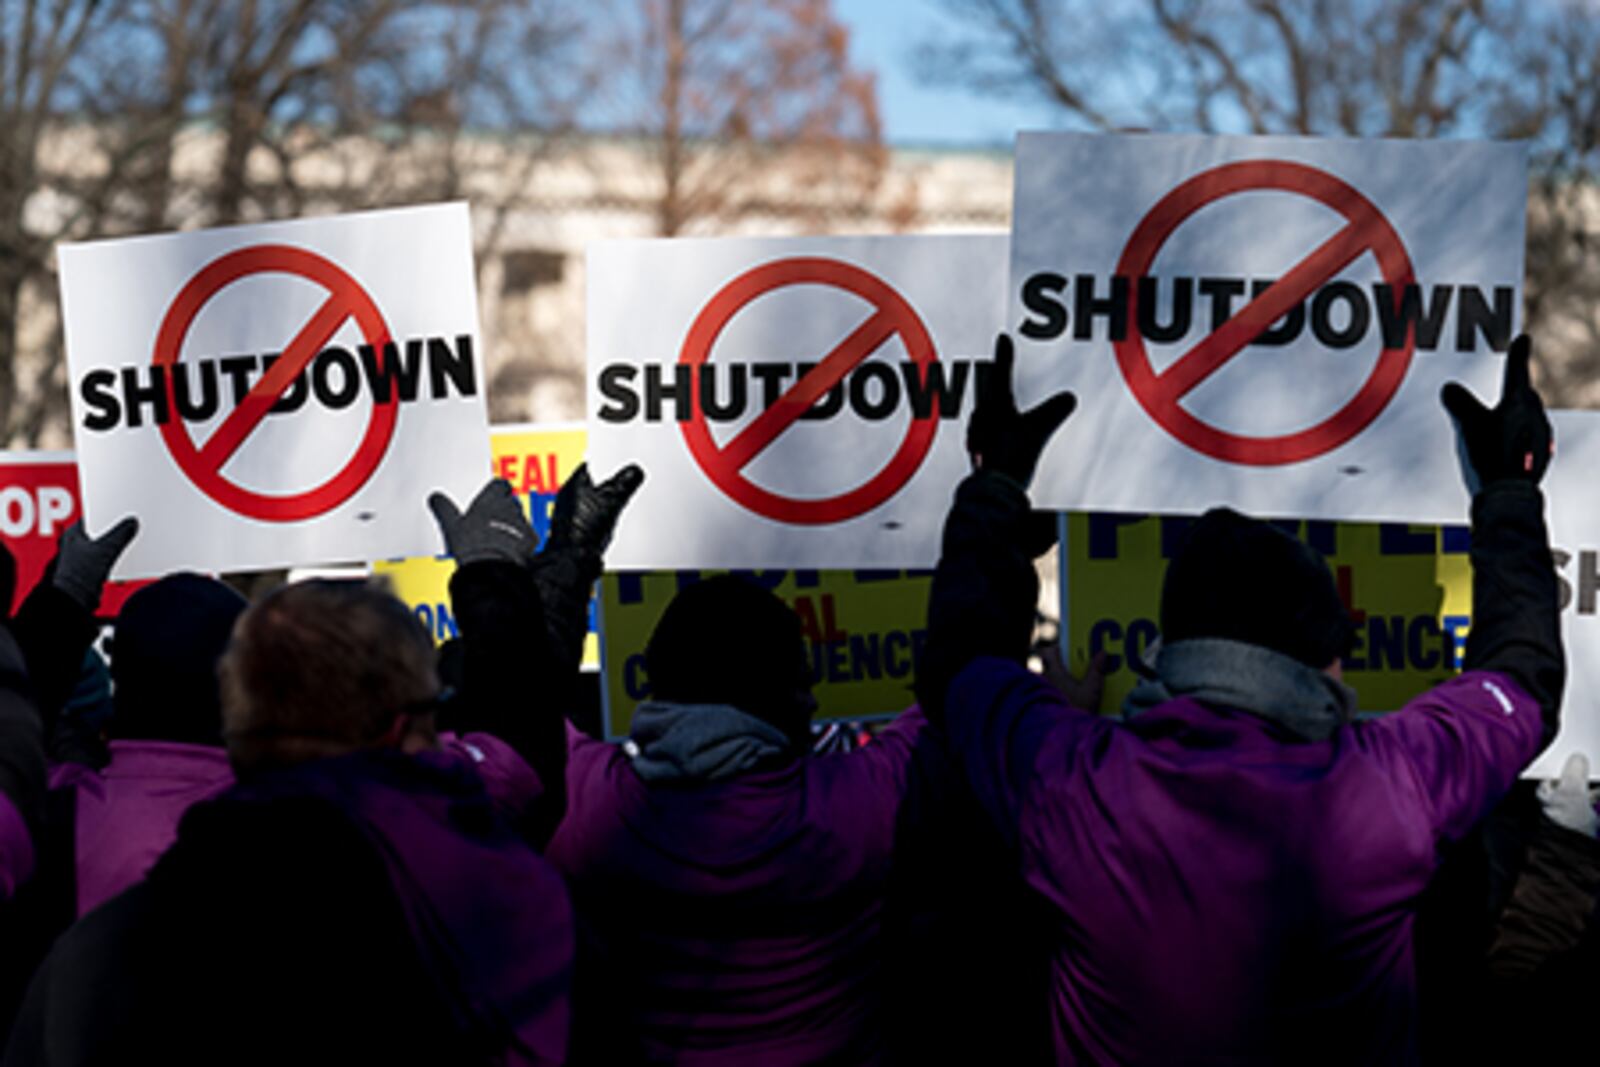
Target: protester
113	809
730	886
1232	872
817	831
122	800
362	895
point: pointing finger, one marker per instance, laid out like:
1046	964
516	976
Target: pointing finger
1517	378
445	512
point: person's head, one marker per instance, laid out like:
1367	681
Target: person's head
1245	580
164	651
726	640
323	668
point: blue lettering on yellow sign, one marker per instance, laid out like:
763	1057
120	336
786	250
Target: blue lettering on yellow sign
437	620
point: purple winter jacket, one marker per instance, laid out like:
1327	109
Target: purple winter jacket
126	814
1218	885
488	915
738	921
371	907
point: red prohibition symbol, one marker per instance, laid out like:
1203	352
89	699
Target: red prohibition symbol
203	463
724	464
1366	230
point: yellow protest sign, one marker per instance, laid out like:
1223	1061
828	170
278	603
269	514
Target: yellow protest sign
536	460
1408	589
864	629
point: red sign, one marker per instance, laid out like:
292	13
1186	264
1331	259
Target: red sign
1161	395
38	500
893	316
203	465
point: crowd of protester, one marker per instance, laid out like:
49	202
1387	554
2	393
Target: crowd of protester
295	832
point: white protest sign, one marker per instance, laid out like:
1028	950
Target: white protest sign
1573	512
794	402
1261	322
279	393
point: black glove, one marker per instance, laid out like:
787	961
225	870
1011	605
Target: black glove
494	526
585	515
1513	439
83	563
1001	439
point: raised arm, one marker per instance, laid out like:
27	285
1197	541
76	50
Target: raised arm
1516	626
522	617
566	568
1465	741
508	669
985	588
56	623
972	679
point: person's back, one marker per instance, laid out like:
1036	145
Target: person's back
741	920
223	955
166	750
1232	874
1217	883
125	815
114	808
730	887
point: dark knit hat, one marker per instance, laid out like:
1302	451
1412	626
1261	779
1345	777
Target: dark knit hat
1239	578
726	640
168	639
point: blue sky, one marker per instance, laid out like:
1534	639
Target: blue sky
883	36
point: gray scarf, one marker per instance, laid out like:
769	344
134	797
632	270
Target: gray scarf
1233	674
698	742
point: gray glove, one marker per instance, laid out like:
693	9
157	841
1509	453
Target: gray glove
494	526
83	563
1568	801
585	515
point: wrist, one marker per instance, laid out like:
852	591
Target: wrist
1512	485
997	483
81	591
504	555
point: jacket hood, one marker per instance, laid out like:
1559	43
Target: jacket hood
1233	674
692	744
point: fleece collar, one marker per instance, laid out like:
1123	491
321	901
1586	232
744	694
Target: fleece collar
690	743
1234	674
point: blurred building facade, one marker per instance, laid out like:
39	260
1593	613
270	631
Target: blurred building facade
532	284
535	208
